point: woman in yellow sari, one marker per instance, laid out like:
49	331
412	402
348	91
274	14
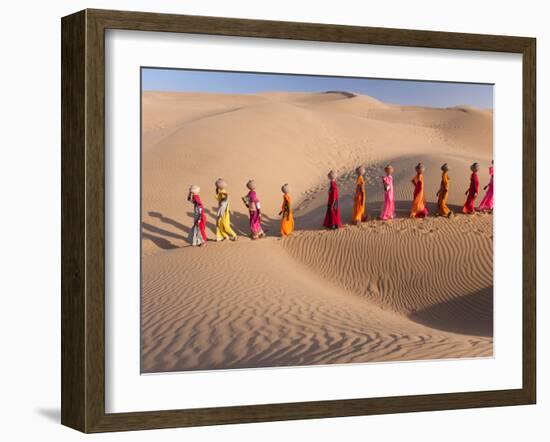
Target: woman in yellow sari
287	220
358	214
443	193
223	224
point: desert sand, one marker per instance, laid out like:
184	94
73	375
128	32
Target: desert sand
398	290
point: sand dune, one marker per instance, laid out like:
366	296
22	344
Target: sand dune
248	304
383	263
291	139
383	291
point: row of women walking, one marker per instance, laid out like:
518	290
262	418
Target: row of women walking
332	218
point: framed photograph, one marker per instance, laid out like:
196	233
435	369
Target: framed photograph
269	220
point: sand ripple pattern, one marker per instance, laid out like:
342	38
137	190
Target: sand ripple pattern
198	315
436	271
404	290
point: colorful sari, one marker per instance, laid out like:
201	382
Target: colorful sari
358	214
332	217
487	203
388	209
443	194
197	236
255	215
223	225
469	205
418	209
287	222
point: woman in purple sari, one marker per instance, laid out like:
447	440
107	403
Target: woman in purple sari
487	202
252	202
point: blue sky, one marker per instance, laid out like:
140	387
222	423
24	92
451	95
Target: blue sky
407	92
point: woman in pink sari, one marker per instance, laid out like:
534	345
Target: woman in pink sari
252	202
332	217
473	190
388	209
487	203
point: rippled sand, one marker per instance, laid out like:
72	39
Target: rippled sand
399	290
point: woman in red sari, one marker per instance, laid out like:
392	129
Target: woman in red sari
469	205
332	217
197	237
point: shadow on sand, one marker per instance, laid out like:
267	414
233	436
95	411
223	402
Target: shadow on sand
160	242
161	237
239	222
309	220
170	222
471	314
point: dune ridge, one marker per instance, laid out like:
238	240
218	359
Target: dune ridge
402	276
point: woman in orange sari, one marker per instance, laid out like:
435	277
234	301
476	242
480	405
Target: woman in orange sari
287	220
358	214
418	209
443	193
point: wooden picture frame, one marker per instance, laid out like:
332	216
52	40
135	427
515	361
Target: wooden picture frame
83	220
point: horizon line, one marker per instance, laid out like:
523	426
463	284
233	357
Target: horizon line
355	94
406	92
